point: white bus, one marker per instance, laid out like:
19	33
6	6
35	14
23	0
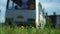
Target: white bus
23	11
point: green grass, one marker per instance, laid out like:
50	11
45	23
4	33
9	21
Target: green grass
28	30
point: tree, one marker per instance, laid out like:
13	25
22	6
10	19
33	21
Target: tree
54	13
48	21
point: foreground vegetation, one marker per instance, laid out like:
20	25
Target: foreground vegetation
27	30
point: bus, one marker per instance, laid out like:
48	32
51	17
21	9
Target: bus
23	11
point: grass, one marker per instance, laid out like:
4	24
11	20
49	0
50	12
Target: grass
27	30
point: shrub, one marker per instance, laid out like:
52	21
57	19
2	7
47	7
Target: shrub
48	22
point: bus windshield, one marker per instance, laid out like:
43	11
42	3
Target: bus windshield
22	4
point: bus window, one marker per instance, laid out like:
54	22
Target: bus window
23	4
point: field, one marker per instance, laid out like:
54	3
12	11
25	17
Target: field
27	30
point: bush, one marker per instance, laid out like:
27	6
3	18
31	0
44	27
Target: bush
48	22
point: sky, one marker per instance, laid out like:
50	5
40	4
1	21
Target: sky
50	6
3	10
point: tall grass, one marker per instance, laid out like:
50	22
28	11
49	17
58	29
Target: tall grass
27	30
